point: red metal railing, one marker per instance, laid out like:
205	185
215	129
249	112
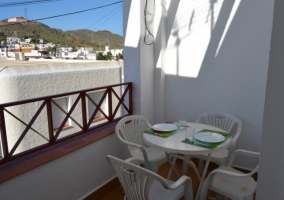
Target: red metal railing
117	98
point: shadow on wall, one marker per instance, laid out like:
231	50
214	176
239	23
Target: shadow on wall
232	70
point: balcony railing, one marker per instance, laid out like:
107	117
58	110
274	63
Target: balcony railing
29	125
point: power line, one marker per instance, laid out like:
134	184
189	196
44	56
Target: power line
72	13
11	4
106	19
103	17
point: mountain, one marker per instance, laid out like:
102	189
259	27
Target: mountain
75	38
97	39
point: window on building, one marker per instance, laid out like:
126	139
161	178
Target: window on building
58	115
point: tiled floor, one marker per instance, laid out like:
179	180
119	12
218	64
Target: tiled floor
118	194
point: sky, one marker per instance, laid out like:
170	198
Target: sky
106	18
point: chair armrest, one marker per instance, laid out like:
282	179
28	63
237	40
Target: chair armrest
186	181
242	152
179	182
232	174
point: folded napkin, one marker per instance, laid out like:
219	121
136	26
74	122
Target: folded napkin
205	144
167	134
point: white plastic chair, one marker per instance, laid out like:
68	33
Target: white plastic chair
229	182
226	122
129	130
142	184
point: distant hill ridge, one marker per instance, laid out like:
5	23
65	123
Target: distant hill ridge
75	38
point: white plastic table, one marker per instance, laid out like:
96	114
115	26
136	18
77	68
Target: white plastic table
173	144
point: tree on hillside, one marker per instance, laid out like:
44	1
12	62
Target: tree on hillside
100	56
74	49
2	38
51	50
119	56
35	37
109	56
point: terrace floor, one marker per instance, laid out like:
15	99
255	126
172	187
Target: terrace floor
118	194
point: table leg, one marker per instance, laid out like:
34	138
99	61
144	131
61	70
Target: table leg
184	167
192	165
203	175
172	165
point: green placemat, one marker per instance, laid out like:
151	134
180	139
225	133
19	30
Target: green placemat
164	135
205	144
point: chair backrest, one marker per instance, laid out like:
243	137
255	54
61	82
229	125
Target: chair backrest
135	180
222	120
130	128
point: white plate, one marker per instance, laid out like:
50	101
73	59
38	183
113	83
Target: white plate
164	128
209	137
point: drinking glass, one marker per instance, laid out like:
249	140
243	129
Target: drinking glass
182	123
189	132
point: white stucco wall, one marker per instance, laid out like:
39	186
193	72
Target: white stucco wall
208	56
71	177
217	60
139	58
271	177
26	80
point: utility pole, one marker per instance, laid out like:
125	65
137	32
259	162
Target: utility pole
26	13
108	43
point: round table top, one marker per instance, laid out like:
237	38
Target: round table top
173	143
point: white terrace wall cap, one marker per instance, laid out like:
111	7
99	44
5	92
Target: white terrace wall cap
15	68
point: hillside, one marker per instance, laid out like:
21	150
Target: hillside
97	39
72	38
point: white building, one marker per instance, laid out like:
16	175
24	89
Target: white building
88	50
114	52
4	53
81	53
33	53
12	40
28	40
17	19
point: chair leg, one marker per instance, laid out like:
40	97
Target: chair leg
171	169
188	190
250	197
219	196
184	167
204	190
200	166
170	161
155	166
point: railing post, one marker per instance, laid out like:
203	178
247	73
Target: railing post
84	111
110	104
130	99
3	134
49	120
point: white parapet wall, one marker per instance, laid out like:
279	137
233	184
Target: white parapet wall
22	80
71	177
80	172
